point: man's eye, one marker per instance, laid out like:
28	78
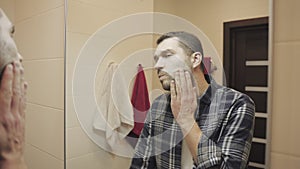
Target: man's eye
12	31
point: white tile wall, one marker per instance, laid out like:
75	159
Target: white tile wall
8	6
46	82
85	17
98	160
40	39
280	161
44	129
39	159
78	144
46	35
25	9
286	20
285	109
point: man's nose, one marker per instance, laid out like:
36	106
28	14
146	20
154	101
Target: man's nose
159	64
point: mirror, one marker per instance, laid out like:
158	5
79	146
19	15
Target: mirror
103	33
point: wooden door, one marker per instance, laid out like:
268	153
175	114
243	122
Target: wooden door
246	69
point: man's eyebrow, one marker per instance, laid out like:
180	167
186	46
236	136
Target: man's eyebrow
164	52
169	51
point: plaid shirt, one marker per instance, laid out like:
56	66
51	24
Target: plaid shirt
226	119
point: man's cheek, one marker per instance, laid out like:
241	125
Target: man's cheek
176	64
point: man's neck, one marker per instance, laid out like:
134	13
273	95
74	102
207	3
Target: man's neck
201	83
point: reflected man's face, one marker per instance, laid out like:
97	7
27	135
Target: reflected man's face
170	57
8	49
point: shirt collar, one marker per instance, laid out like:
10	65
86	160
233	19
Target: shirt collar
206	98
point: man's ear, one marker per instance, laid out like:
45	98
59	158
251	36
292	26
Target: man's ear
196	59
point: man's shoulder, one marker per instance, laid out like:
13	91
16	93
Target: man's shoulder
160	106
232	94
165	97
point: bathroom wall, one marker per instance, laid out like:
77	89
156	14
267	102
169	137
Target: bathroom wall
40	39
285	149
8	6
85	17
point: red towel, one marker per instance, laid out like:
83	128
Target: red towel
140	101
207	65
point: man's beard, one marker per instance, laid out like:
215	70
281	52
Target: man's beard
166	81
8	54
166	84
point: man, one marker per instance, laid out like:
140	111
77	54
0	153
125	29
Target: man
12	99
198	124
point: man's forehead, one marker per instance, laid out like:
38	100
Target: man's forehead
4	21
2	14
168	41
169	44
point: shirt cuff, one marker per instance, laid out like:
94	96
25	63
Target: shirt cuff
209	154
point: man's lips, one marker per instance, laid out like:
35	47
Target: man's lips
163	76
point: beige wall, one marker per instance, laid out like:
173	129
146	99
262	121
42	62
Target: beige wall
285	149
9	8
40	39
85	17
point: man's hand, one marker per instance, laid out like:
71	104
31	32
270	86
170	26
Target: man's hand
183	99
184	104
12	117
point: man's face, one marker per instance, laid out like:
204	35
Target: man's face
8	49
170	57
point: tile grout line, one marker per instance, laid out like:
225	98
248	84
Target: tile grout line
44	151
37	14
285	154
41	105
44	59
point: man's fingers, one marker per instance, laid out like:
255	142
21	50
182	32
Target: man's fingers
6	88
22	105
173	90
177	84
16	89
189	85
183	83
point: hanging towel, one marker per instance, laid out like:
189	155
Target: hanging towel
110	120
140	101
207	64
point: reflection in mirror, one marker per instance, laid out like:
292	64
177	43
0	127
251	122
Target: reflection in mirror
102	52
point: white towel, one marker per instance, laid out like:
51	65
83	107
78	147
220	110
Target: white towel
187	158
114	123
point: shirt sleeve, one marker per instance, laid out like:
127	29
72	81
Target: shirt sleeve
143	157
232	148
